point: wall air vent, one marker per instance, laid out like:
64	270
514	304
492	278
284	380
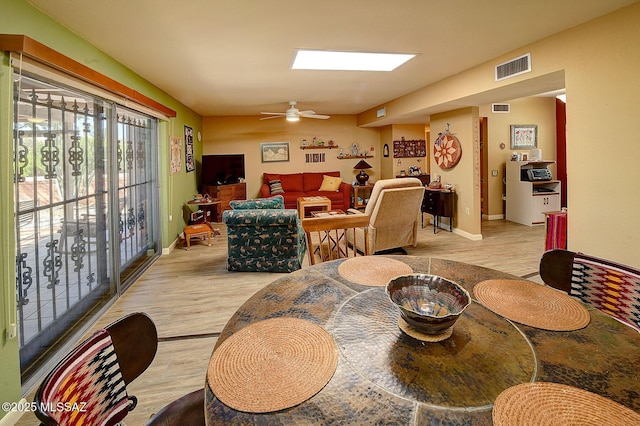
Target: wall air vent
501	108
513	67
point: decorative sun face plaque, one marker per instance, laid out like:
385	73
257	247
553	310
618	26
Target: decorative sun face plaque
447	151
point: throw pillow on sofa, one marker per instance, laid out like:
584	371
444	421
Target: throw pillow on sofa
275	187
330	183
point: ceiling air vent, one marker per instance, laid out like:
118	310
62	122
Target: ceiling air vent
501	108
513	67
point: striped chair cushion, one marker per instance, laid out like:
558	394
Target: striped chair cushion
90	378
610	287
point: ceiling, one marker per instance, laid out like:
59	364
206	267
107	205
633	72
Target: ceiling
233	57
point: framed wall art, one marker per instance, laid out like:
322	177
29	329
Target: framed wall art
189	156
274	152
524	136
409	148
176	155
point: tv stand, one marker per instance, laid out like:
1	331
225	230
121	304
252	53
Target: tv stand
225	193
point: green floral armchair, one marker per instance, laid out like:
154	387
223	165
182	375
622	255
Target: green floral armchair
263	236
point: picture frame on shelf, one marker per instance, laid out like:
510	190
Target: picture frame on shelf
274	152
524	136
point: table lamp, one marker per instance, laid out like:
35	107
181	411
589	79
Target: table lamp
362	177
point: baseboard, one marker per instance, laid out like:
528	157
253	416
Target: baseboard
12	417
168	250
493	216
472	237
445	226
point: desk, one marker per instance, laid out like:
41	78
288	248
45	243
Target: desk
386	377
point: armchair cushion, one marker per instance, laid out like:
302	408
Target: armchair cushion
276	202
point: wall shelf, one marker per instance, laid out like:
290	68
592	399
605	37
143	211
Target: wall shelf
349	157
319	147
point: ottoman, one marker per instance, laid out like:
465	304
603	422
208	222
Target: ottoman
199	230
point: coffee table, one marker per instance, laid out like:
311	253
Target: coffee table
319	201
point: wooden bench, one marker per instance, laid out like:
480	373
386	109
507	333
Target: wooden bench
610	287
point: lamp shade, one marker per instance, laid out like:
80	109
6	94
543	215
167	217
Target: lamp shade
362	165
362	177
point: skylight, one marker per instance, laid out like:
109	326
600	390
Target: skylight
348	61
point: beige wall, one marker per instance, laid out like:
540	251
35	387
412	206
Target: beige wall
387	164
464	177
597	63
233	135
409	132
533	110
390	166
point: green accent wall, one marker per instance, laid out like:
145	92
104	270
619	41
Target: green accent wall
19	17
9	357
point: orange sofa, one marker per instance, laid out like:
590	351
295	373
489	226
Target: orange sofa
307	184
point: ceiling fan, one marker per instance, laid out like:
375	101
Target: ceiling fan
294	114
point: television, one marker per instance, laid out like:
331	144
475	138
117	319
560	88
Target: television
222	169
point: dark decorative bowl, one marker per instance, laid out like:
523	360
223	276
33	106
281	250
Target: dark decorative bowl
429	303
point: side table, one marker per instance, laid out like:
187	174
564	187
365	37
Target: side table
209	206
304	202
438	203
359	192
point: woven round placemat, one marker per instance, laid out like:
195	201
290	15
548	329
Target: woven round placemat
373	271
431	338
556	404
532	304
272	365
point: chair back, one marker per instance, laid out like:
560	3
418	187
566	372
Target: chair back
395	210
89	386
328	235
608	286
135	339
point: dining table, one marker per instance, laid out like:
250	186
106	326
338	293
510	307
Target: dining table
385	376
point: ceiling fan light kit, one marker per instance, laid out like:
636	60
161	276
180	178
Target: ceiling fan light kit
294	114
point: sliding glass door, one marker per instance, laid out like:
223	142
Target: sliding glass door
86	208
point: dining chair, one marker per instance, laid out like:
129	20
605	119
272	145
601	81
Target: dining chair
186	410
328	236
89	385
608	286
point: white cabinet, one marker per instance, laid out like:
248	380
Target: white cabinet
528	200
543	202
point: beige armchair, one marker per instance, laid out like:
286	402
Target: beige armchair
394	209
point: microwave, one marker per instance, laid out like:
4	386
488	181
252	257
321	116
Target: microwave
538	174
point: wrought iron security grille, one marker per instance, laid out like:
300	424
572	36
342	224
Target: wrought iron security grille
71	192
136	170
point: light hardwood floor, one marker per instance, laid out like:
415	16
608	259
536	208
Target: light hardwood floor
190	297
